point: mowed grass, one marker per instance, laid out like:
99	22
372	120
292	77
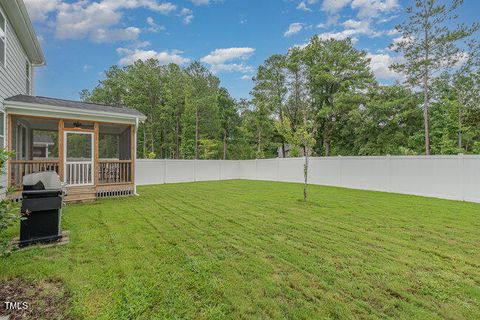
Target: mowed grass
254	250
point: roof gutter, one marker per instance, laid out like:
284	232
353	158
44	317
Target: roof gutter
69	111
40	61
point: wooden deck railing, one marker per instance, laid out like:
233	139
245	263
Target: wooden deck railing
114	171
19	168
109	171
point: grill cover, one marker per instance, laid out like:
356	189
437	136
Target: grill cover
41	209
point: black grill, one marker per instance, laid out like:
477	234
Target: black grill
41	209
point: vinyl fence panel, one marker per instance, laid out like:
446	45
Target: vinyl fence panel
448	177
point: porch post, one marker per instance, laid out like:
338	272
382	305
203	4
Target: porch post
61	148
96	132
133	142
9	148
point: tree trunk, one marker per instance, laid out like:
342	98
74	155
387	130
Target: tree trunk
177	139
425	115
425	87
196	133
258	143
224	144
460	138
144	142
327	147
283	142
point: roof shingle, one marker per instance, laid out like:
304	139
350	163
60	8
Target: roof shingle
74	104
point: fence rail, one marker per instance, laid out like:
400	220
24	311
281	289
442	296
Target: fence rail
447	177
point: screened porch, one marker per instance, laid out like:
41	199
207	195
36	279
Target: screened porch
83	153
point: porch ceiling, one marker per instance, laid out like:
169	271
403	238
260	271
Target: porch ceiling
67	109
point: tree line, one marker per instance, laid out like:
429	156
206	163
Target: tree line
321	99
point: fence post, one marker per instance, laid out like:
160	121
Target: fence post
340	169
220	169
389	172
194	170
165	171
256	169
460	175
278	169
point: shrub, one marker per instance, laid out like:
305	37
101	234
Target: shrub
8	209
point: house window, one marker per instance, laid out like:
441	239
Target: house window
3	40
28	78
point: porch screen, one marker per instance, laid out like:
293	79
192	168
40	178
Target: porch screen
115	154
114	142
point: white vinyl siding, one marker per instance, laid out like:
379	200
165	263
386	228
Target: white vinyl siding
3	39
12	74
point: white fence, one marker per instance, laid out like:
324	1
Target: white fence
448	177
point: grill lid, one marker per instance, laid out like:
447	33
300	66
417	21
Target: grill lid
50	179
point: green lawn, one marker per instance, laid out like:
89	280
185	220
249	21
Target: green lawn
244	249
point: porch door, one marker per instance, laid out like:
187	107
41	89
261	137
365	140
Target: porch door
79	158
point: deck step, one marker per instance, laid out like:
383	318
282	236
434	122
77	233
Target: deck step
80	194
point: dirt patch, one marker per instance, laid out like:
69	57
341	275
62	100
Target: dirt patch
21	299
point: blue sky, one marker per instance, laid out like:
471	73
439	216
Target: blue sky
83	38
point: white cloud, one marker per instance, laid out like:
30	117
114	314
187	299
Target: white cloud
366	8
200	2
246	77
38	10
129	56
341	35
372	8
114	34
231	67
86	68
380	64
334	5
97	20
153	27
161	7
293	28
220	56
303	6
219	60
187	15
353	29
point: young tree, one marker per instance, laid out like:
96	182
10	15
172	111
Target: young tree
9	211
429	45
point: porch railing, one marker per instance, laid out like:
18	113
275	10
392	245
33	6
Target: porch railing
114	171
78	173
20	168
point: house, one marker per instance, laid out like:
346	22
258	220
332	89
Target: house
91	146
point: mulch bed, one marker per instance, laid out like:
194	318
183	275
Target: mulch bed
45	299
